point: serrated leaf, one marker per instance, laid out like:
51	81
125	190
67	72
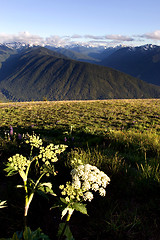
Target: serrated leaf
80	207
46	188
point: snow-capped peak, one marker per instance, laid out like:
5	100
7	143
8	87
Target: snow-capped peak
18	45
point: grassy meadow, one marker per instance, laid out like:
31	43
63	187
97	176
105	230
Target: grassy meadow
120	137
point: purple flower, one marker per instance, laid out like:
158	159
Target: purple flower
11	130
65	139
19	136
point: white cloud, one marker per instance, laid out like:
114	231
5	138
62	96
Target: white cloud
55	40
76	36
25	37
94	37
153	35
118	37
110	37
94	40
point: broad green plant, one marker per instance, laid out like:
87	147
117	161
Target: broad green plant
27	234
43	161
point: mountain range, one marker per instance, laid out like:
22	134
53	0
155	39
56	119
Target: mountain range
76	73
142	62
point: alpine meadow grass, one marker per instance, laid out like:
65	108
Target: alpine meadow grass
118	137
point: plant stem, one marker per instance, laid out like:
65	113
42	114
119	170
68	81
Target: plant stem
66	223
28	198
26	203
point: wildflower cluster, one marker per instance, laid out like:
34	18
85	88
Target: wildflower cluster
49	156
85	179
50	152
75	162
34	141
18	162
71	192
44	163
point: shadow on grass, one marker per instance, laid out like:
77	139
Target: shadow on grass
129	210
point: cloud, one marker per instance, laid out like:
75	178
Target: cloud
118	37
24	37
76	36
94	37
56	40
62	41
110	37
153	35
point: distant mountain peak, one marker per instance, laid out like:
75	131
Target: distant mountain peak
18	45
142	62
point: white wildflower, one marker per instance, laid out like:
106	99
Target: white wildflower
77	183
102	191
86	186
88	196
85	178
87	168
92	178
95	187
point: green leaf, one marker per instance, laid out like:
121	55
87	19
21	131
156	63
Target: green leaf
45	188
64	230
63	200
34	235
27	233
16	237
80	207
10	170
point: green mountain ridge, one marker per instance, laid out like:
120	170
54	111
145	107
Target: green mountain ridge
37	72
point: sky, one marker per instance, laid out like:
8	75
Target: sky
94	22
